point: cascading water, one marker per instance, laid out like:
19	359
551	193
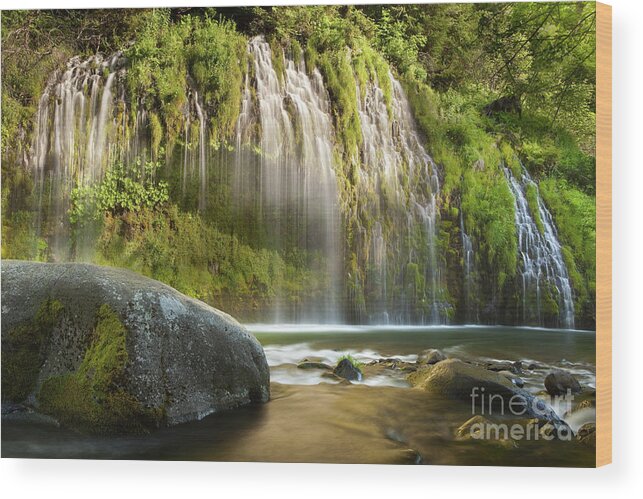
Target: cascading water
541	258
286	175
74	130
283	188
470	313
391	150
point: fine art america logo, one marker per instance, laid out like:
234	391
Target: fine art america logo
532	415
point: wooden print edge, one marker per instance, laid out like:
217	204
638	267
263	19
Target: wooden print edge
603	234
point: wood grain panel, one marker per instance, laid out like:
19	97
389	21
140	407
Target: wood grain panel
603	234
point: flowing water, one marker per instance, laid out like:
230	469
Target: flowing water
470	308
287	177
72	138
541	257
281	191
378	420
392	154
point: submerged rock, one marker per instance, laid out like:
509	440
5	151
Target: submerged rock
345	369
333	377
586	434
305	364
500	365
105	349
472	428
559	382
431	356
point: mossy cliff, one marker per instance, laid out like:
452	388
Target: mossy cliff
96	361
183	82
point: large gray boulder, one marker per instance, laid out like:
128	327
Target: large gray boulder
105	349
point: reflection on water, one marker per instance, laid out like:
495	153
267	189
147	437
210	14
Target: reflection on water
308	420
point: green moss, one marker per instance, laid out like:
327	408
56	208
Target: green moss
277	56
340	80
354	362
22	352
156	133
574	213
94	397
510	159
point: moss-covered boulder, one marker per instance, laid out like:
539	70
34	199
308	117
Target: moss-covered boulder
105	349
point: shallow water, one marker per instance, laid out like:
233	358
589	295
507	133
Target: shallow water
379	420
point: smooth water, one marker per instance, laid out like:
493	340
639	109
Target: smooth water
380	420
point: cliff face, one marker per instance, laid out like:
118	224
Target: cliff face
287	178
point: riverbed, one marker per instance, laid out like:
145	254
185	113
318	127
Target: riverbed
379	419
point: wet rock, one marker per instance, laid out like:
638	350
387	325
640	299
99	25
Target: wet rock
586	434
135	353
411	456
516	380
472	428
480	387
345	369
482	429
497	366
560	382
431	356
380	365
304	364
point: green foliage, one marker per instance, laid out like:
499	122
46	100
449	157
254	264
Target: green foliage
94	397
20	239
169	58
575	215
23	352
453	60
183	251
122	189
354	362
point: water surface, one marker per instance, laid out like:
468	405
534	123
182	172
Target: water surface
310	419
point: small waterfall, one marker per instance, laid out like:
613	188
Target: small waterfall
291	183
541	258
391	151
470	315
74	129
203	173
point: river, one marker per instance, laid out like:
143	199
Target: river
380	419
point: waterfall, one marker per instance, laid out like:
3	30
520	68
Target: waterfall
391	152
72	137
378	264
281	191
467	267
541	258
291	182
203	173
